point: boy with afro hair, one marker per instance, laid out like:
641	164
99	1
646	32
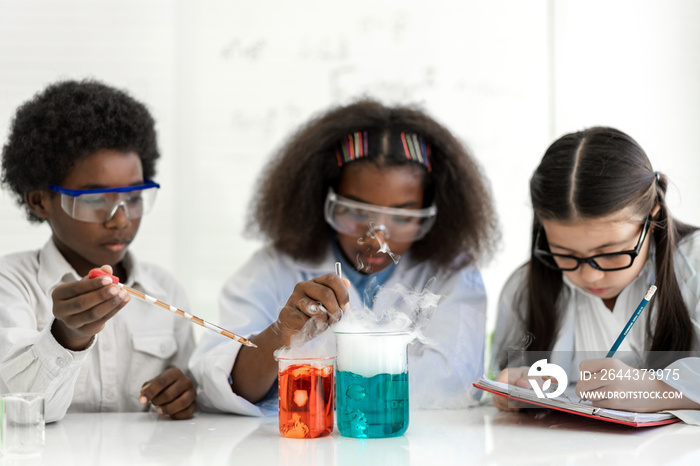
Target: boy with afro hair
81	156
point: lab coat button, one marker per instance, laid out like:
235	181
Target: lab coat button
61	362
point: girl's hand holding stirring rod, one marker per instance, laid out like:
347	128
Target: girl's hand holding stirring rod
322	299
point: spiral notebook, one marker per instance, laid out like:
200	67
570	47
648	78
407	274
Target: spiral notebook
570	403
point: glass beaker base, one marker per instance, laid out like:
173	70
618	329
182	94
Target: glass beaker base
372	407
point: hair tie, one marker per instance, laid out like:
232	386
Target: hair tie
658	176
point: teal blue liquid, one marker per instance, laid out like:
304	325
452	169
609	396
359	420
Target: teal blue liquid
373	407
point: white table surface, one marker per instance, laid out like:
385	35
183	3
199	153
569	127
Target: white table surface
481	435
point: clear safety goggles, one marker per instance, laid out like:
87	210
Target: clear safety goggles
360	219
100	205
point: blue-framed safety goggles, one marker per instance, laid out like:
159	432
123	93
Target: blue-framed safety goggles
100	205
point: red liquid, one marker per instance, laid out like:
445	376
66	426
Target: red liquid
306	401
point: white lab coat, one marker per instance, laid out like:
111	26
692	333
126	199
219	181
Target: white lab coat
136	345
589	329
441	369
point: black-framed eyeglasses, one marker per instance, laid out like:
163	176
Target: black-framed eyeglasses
608	262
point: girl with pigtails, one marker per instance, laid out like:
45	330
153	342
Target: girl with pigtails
602	235
394	197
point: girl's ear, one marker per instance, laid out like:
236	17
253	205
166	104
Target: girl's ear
655	212
39	202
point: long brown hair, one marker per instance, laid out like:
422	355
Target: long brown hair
591	174
288	207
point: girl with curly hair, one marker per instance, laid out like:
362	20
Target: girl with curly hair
363	185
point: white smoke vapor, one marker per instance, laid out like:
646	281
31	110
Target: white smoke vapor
373	342
314	340
359	265
374	228
411	312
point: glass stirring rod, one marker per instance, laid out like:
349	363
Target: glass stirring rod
144	297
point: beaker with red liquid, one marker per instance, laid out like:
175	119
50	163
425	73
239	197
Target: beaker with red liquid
306	397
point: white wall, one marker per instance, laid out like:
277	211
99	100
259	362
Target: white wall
227	81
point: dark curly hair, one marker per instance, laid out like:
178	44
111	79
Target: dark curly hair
288	207
66	122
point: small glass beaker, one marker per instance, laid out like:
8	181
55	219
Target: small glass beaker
372	383
21	424
306	396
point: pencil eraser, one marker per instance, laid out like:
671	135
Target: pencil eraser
101	273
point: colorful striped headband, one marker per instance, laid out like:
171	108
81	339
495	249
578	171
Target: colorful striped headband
415	148
356	146
352	147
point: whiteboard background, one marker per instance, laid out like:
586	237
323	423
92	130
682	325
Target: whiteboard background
228	81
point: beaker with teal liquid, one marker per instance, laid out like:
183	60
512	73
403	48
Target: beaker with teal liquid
372	383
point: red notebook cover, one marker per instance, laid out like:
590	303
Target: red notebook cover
591	416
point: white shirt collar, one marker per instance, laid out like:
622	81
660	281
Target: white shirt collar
54	269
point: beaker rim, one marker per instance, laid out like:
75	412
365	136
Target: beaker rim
310	358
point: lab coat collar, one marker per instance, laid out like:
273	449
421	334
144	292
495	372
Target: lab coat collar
54	269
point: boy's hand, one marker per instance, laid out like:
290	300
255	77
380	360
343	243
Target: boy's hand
322	299
172	392
83	308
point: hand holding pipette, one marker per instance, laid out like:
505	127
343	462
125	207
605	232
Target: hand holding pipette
82	308
150	300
